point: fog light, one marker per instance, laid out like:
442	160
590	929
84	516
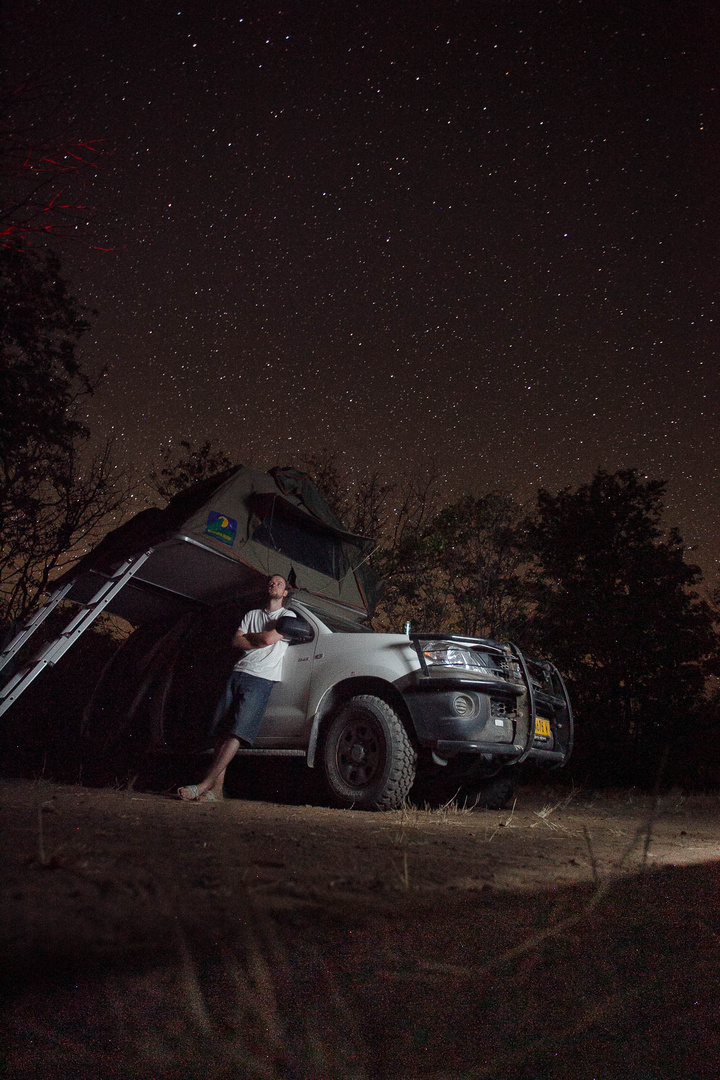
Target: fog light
464	705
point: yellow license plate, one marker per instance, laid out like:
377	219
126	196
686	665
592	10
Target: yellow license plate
542	727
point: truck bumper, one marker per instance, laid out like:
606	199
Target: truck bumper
449	748
461	717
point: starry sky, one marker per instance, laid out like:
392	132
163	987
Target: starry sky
476	239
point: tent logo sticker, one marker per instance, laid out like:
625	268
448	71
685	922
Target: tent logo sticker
221	528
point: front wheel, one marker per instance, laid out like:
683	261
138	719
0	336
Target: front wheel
368	758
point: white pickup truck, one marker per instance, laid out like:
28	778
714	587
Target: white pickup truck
384	716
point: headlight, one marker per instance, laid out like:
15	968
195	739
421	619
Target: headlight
448	654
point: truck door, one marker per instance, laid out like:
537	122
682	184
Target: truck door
285	724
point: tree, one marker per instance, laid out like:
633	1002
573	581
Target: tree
46	167
458	568
404	560
187	465
50	500
396	514
478	547
616	609
455	568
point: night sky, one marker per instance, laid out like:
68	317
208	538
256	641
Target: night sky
479	239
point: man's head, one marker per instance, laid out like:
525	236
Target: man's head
277	587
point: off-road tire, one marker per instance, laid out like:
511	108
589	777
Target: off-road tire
368	758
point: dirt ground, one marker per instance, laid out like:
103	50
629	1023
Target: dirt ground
572	937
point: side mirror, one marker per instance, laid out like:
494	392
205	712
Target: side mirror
295	629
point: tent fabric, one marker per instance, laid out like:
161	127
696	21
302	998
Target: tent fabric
293	482
262	523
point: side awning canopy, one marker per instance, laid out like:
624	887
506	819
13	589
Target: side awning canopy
219	540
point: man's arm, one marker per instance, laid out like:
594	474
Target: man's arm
256	640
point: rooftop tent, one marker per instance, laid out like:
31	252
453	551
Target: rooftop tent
219	539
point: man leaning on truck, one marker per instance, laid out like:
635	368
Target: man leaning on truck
241	709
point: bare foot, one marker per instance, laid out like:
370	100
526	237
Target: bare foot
191	793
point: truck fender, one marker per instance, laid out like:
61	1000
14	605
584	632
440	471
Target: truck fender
335	695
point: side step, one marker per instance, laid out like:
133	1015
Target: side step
51	653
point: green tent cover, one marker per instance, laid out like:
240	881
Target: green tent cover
221	536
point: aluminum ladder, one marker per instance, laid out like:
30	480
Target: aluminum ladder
49	655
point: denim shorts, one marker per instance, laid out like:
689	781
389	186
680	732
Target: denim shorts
241	709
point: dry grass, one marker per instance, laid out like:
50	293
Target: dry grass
231	1017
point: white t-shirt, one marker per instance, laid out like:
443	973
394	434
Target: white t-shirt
265	662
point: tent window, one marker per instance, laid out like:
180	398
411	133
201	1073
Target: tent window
319	550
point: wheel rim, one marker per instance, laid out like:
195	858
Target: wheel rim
359	753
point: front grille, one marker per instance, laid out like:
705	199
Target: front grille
502	710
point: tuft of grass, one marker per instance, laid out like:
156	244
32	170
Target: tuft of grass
453	809
508	824
43	858
405	875
591	855
545	815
